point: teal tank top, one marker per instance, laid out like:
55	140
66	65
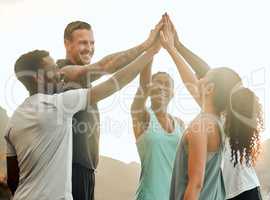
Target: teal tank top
157	150
213	187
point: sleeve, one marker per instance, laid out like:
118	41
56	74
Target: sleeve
10	149
72	101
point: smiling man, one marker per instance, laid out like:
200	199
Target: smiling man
80	46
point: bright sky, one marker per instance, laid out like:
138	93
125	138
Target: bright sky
224	33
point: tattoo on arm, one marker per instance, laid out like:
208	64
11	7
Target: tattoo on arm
116	61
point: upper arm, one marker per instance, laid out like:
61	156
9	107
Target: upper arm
138	112
72	101
197	148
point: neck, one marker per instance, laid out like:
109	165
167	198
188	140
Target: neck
31	93
208	107
70	59
159	110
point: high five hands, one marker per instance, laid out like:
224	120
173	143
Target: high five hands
163	35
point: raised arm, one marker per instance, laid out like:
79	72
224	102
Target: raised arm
116	61
188	77
199	66
123	76
138	109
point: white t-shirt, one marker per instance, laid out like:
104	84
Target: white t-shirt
237	179
40	134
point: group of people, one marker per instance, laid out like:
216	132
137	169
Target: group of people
53	136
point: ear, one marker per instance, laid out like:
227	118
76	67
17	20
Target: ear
210	88
67	44
38	79
35	78
172	94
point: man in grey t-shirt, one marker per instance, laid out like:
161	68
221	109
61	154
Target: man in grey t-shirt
39	134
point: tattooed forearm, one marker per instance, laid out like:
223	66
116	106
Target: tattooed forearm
116	61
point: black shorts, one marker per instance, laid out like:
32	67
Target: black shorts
253	194
83	183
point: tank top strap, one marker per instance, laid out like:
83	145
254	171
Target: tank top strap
221	128
222	133
177	126
153	121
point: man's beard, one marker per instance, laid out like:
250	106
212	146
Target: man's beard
84	58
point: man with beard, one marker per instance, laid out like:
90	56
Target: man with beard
80	46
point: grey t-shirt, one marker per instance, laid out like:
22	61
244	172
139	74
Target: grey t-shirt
40	134
86	131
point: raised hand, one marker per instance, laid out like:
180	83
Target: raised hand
176	37
166	34
153	34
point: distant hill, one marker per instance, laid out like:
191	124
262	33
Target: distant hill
116	180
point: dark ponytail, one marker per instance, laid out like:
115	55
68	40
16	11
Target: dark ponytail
243	125
242	112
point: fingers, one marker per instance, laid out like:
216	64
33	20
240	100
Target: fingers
159	26
169	23
166	24
162	37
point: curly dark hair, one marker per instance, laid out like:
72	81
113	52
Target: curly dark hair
244	123
243	115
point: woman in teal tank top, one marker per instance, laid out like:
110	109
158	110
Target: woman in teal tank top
197	169
157	135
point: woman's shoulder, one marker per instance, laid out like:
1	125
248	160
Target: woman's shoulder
203	123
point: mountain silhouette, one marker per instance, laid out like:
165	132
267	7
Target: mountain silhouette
116	180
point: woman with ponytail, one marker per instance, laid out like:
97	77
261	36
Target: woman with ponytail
243	125
227	110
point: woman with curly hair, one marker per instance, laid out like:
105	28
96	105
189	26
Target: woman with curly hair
243	125
228	110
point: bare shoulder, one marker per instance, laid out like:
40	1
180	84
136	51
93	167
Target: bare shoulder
203	124
140	125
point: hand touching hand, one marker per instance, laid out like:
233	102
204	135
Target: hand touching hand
176	37
153	35
166	34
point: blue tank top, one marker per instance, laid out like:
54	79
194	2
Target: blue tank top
157	150
213	187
